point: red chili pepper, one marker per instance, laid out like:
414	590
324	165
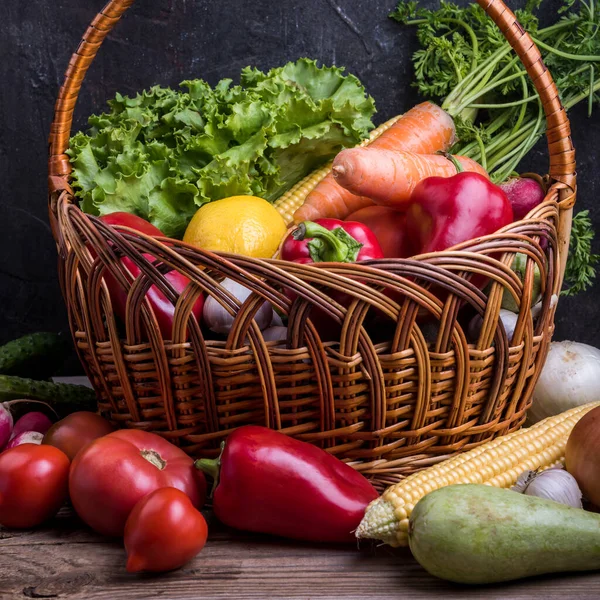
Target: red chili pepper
163	309
443	212
268	482
331	240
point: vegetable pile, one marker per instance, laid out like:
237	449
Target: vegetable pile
164	153
206	165
466	64
138	486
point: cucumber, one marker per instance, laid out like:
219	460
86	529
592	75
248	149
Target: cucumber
65	398
37	355
481	534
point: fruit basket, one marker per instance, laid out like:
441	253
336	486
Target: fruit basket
419	392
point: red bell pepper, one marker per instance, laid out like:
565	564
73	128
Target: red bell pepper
268	482
329	240
443	212
389	228
163	309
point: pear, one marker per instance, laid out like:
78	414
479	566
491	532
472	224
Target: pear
477	534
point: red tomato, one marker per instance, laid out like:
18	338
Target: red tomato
33	484
125	219
163	532
75	431
114	472
388	226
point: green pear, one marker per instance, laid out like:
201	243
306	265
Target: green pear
481	534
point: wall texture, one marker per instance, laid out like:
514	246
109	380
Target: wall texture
166	41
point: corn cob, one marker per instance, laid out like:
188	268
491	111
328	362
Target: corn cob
292	200
498	463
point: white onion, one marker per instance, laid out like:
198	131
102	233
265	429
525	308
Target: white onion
218	319
570	378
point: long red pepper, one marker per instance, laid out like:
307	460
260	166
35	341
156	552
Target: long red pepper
268	482
163	309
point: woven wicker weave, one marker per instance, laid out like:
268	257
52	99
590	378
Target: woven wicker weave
388	405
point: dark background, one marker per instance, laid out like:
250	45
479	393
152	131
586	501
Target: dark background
167	41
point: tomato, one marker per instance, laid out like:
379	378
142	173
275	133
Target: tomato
33	484
75	431
114	472
163	532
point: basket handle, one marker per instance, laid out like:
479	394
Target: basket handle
562	154
60	130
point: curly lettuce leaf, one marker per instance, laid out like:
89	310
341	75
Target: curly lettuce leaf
163	153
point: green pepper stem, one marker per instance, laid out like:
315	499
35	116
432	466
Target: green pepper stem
208	466
454	161
333	248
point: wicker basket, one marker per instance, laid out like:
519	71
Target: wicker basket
388	406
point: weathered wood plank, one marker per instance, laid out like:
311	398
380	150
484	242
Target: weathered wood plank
67	561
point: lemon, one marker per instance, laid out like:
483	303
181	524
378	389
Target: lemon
240	224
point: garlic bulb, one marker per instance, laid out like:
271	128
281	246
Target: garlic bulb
508	319
218	319
553	484
276	321
275	334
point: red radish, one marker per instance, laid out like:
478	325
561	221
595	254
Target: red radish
6	425
524	193
32	421
25	437
9	429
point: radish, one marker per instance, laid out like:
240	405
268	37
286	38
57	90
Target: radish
25	437
36	422
6	425
524	194
32	421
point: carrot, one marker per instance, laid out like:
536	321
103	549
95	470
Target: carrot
425	129
389	177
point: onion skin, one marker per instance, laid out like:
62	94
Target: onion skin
582	455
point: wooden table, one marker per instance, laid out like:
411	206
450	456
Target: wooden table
65	560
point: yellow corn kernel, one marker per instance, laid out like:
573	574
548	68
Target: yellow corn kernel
498	463
289	202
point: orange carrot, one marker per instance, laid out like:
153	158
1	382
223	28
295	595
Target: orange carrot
389	177
425	129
